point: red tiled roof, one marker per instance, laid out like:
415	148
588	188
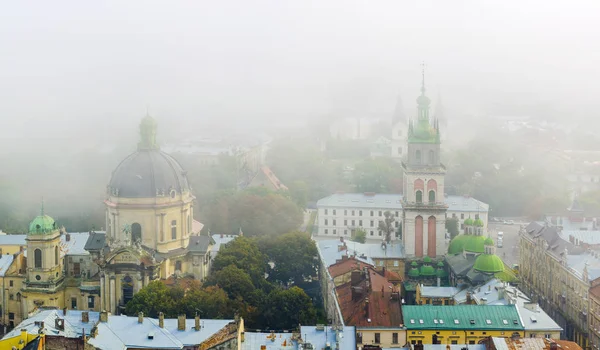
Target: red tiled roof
345	266
375	305
272	178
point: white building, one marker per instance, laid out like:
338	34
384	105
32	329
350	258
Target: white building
340	213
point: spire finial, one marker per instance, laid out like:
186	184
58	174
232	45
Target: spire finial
423	77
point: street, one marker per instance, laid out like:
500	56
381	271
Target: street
510	250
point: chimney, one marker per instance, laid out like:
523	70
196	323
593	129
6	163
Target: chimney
140	317
355	277
94	332
222	235
197	322
553	345
367	307
469	300
64	311
103	316
439	282
181	322
68	237
85	317
161	320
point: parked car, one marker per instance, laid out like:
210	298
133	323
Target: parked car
510	222
500	245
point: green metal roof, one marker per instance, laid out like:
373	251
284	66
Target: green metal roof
42	224
440	264
457	244
414	272
441	273
475	244
427	270
427	260
493	317
489	263
414	264
469	222
478	222
488	241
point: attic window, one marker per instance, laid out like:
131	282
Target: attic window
472	321
421	321
533	319
456	321
442	321
505	321
488	321
412	321
355	200
388	201
398	202
435	321
515	322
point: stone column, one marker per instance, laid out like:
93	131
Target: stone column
113	296
138	282
24	307
102	292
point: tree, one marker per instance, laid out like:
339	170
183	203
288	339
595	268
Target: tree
233	280
452	227
154	298
243	253
376	175
359	235
386	226
294	257
288	308
209	302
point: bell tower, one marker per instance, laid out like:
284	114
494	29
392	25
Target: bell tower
424	208
44	264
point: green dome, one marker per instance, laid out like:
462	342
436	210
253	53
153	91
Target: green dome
469	222
457	244
475	244
414	272
478	222
423	100
488	263
427	260
42	224
441	273
440	264
488	241
427	270
414	264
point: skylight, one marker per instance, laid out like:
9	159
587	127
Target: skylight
505	321
421	321
456	321
442	321
412	321
488	321
472	321
435	321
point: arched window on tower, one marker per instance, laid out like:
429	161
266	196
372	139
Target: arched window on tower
432	196
419	196
418	156
174	229
136	232
431	157
37	258
56	255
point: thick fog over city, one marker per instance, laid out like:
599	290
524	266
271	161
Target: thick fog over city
230	156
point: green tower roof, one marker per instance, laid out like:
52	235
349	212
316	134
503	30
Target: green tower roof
488	241
478	222
457	244
475	244
413	272
423	131
427	260
441	273
42	224
427	270
489	263
414	264
440	264
469	222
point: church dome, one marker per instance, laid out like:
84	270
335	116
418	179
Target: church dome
478	222
457	244
488	241
427	270
489	263
42	224
469	222
148	172
475	244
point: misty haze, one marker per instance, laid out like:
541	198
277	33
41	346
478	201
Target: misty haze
299	174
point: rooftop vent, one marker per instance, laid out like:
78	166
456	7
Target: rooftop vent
533	319
456	321
151	335
488	321
505	321
472	321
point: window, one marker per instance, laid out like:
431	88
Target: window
174	229
399	149
418	157
326	232
419	196
454	342
432	196
471	342
334	222
380	213
377	338
462	216
345	212
431	157
397	214
396	263
396	224
394	338
91	302
380	233
37	257
333	211
360	223
359	338
476	216
371	213
11	315
10	283
56	255
76	269
345	232
353	223
334	231
345	222
372	223
136	232
326	222
18	296
413	342
353	213
11	297
189	228
178	265
74	303
325	211
360	213
371	233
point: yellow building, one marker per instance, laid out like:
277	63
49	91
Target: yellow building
435	295
19	342
594	315
460	324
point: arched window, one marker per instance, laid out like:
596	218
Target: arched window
178	265
431	157
37	258
418	157
419	197
136	232
431	196
56	255
174	229
127	285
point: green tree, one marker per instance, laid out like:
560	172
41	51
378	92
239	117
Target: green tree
376	175
452	227
294	257
386	226
209	302
233	280
242	252
359	235
288	308
154	298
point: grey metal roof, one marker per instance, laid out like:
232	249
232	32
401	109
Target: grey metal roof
589	237
75	245
219	241
577	263
190	336
12	239
319	339
5	261
96	241
254	340
145	172
366	252
438	292
394	202
123	332
199	244
73	324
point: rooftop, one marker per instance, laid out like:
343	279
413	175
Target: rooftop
438	292
73	325
220	240
504	317
346	336
5	261
13	240
589	237
394	202
271	341
532	344
331	251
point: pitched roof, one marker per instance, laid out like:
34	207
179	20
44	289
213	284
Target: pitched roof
5	262
271	341
6	239
330	252
532	344
438	292
462	317
199	244
123	332
320	338
73	325
96	241
345	266
394	202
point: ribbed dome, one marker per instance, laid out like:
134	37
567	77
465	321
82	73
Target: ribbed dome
457	244
488	263
475	244
427	260
488	241
148	173
413	272
469	222
427	270
42	224
441	273
478	222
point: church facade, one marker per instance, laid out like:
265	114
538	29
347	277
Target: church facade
150	234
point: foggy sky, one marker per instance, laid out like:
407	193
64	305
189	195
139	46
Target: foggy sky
79	67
